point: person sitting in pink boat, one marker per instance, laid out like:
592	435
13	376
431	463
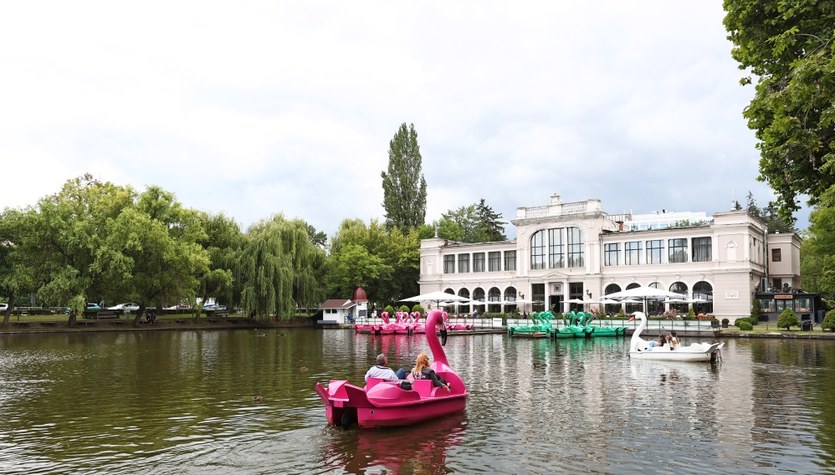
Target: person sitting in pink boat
422	371
381	370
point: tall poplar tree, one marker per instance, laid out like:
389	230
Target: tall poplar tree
404	187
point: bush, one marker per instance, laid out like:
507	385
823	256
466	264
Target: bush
829	321
742	320
744	325
725	322
787	319
756	310
389	309
621	313
418	308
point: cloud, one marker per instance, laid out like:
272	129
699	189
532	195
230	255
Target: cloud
258	108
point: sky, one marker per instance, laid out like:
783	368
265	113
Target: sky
253	108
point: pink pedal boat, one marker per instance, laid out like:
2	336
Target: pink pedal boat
386	404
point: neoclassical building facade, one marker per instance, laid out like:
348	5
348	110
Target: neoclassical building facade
570	251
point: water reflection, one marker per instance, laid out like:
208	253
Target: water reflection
420	449
182	402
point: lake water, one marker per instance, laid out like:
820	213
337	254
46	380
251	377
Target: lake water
185	402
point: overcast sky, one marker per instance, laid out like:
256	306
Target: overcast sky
257	108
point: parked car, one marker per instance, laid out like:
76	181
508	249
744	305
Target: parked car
93	307
126	307
3	307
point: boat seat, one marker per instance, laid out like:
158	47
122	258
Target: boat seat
423	387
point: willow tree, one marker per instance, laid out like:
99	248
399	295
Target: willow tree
16	276
279	268
404	187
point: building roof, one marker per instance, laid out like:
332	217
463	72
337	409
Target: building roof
337	303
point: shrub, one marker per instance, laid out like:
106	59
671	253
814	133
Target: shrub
787	319
389	309
418	308
725	322
756	310
829	321
742	320
744	325
621	313
691	313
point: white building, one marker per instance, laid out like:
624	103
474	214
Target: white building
576	250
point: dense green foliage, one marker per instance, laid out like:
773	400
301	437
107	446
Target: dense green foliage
774	223
829	321
787	319
756	310
745	325
404	187
383	261
279	268
99	242
789	45
817	265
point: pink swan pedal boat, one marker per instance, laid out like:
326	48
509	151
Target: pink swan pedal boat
386	404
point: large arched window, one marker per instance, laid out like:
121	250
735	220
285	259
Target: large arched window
538	250
634	306
611	308
494	295
703	297
575	247
562	246
463	308
655	306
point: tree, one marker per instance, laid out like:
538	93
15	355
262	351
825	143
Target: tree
490	226
153	253
16	275
280	268
790	46
773	221
318	238
475	223
404	187
223	240
787	319
63	242
817	256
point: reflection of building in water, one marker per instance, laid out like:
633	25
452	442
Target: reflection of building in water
575	250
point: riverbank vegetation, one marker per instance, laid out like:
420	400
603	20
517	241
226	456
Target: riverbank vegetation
95	241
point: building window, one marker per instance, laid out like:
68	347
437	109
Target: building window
677	251
478	262
655	250
494	261
555	249
701	249
463	263
575	247
776	255
538	250
509	260
633	253
611	253
449	264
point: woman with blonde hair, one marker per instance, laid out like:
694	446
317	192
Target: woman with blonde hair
422	371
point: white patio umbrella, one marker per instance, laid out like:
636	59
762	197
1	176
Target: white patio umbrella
437	297
645	293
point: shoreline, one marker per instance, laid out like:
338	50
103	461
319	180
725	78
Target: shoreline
231	323
161	324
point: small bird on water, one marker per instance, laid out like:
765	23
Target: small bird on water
257	398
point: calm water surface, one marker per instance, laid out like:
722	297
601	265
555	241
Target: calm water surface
183	402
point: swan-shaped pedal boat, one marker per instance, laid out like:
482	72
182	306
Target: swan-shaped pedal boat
387	404
640	348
